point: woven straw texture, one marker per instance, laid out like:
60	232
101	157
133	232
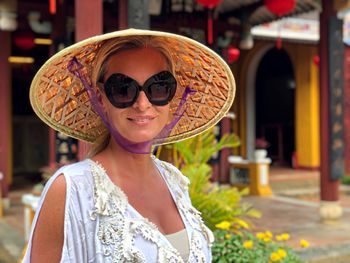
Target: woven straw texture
60	100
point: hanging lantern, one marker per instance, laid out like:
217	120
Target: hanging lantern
280	7
53	7
209	4
24	40
232	54
316	60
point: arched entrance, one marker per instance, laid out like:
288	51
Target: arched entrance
275	105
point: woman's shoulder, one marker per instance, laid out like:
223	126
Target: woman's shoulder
77	177
74	168
74	171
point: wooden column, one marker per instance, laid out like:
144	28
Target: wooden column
307	108
89	22
347	109
89	18
330	166
123	14
6	112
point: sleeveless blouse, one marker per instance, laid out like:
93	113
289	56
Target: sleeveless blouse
101	226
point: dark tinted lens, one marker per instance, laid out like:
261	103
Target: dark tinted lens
161	88
124	93
159	91
121	90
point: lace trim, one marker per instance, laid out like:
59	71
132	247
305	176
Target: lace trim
192	214
117	231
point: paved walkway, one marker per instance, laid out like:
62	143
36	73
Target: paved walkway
328	242
293	209
12	228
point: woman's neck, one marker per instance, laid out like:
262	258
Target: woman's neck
120	162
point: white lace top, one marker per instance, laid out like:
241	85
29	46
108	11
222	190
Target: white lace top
101	226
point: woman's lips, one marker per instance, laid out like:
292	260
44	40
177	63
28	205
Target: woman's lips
141	119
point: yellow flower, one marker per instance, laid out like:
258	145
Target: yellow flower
274	257
227	236
268	234
248	244
285	236
282	253
224	225
243	224
279	237
266	239
260	235
304	243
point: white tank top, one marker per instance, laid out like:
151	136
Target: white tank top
179	241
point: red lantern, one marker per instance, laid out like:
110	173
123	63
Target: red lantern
316	60
24	40
280	7
232	54
209	4
53	7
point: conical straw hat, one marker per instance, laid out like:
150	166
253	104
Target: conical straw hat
60	100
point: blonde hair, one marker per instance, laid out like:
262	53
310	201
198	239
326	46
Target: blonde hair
111	47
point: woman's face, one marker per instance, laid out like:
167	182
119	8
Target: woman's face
142	121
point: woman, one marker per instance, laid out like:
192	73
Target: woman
126	92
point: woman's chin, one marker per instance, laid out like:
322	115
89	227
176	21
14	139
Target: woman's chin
140	138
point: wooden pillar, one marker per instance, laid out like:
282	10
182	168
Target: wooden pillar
347	109
89	18
123	14
6	113
307	108
330	209
89	22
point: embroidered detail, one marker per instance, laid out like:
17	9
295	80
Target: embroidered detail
176	177
196	244
192	214
117	230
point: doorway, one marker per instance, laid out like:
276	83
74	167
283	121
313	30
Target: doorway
275	105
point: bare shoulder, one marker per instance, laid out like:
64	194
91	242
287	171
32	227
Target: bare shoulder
48	235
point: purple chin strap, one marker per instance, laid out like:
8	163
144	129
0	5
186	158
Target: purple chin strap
76	68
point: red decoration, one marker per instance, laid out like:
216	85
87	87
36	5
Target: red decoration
280	7
53	7
279	43
24	40
209	3
316	60
232	54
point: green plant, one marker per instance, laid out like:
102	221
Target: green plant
345	180
215	203
247	248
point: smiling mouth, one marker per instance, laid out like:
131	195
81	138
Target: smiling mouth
141	120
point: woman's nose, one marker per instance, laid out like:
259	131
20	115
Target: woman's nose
142	102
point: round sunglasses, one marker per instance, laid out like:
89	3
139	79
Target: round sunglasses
123	91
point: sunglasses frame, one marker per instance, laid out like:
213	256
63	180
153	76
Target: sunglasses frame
162	77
